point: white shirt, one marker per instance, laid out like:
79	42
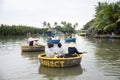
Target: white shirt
50	52
58	50
35	43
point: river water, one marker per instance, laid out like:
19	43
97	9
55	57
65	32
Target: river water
101	62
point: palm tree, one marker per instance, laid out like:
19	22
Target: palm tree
75	25
107	15
63	23
48	25
44	24
55	23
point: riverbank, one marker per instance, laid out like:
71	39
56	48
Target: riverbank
107	36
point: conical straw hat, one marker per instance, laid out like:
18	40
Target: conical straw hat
36	39
71	44
30	39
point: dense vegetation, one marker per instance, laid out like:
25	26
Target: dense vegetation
64	26
14	30
107	17
6	30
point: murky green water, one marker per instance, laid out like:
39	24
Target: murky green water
102	62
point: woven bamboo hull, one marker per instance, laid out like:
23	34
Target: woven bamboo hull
32	48
59	62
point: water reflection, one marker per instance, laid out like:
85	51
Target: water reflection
102	60
31	55
5	39
108	57
52	73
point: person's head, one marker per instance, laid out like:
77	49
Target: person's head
50	44
59	45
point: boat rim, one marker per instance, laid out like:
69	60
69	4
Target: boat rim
41	56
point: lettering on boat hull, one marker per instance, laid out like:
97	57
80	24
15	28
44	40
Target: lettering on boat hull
52	63
60	63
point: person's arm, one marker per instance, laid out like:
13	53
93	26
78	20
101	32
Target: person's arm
46	51
77	51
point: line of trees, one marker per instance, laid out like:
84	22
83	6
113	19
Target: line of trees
65	27
14	30
107	17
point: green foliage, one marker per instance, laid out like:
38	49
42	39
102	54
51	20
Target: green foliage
6	30
66	27
14	30
107	17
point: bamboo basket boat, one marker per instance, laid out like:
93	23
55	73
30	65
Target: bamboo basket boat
70	40
56	41
59	62
27	48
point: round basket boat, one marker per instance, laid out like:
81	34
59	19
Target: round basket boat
59	62
70	40
56	41
27	48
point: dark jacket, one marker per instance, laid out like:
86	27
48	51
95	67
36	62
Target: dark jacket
73	50
31	43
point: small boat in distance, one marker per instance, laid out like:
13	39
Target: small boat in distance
70	40
59	62
55	41
82	33
26	48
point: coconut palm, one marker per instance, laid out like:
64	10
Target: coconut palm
75	25
44	24
55	24
107	15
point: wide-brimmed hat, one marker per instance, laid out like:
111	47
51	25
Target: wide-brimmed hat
36	39
30	39
71	44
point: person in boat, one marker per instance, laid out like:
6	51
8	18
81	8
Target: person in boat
72	50
49	50
60	50
69	36
53	38
36	42
49	38
30	41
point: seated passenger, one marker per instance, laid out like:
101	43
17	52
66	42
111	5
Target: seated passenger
72	50
53	38
30	41
60	50
36	42
49	50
